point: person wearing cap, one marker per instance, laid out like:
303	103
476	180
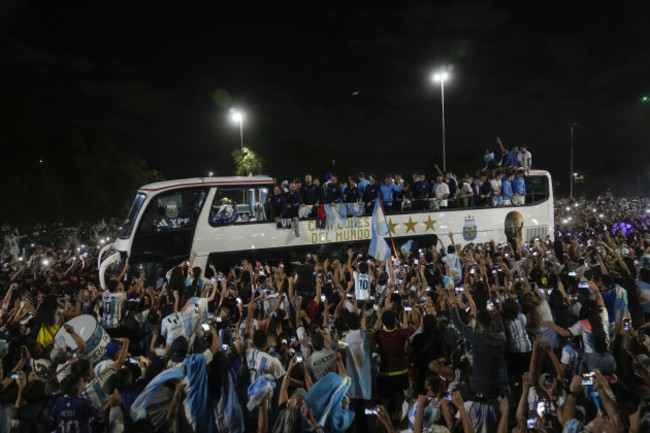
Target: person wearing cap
110	356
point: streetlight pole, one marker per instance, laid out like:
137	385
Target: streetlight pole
442	77
241	134
572	125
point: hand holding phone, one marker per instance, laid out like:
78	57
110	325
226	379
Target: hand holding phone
371	411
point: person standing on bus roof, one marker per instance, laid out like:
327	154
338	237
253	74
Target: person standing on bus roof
506	189
277	205
333	193
293	200
388	188
320	192
370	194
440	192
421	192
519	188
309	192
513	156
352	194
525	158
362	183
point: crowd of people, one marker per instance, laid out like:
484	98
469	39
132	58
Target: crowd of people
500	183
544	335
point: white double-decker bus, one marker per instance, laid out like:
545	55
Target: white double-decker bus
168	220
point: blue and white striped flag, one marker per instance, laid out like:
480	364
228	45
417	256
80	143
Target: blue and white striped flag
332	214
378	248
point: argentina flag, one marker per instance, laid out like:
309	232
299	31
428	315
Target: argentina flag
378	248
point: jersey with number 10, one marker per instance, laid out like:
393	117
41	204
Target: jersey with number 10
112	305
361	285
74	415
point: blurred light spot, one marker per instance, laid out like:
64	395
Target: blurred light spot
221	98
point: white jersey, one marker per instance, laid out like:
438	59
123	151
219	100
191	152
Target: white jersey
172	327
112	304
361	285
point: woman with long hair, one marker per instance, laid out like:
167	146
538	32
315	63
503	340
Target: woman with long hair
592	327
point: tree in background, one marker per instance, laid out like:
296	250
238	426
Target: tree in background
247	162
80	174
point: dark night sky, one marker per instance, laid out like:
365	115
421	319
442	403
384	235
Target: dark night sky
161	78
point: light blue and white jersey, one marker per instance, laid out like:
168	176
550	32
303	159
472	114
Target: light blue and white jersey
506	189
519	185
95	390
518	340
361	285
112	305
172	326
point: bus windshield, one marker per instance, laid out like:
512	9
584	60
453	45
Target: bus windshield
124	231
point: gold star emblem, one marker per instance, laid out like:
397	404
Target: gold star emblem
429	223
410	225
391	225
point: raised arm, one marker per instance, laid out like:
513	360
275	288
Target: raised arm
81	344
558	329
248	331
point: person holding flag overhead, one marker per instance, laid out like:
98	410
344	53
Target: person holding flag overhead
378	248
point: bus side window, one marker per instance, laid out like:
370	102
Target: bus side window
261	207
172	210
231	205
537	189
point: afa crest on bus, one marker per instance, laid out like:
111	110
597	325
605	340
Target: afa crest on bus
469	228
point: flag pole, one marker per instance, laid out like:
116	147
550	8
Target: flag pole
389	233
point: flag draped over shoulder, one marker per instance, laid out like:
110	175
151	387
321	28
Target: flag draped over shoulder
378	248
146	397
197	406
198	399
325	399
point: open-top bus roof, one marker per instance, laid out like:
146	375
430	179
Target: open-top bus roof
207	181
235	180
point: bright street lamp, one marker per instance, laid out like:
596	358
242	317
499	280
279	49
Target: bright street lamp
238	117
441	77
